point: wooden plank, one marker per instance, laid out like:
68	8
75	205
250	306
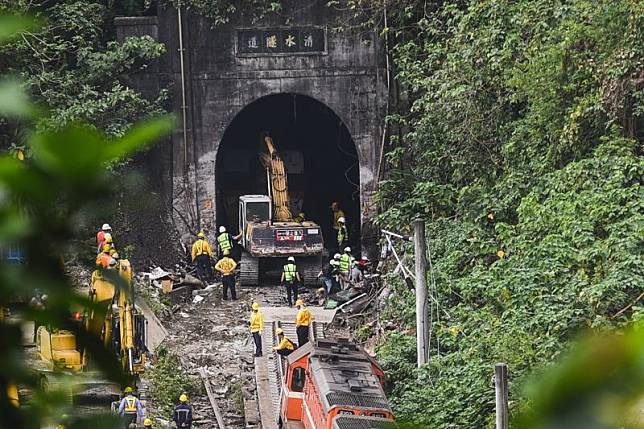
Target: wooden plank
211	397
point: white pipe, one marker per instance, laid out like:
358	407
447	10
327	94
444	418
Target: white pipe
184	106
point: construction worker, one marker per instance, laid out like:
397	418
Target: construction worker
109	240
344	268
147	423
343	234
202	257
327	274
303	320
130	407
256	327
225	241
291	279
182	416
100	236
285	346
226	266
103	259
337	214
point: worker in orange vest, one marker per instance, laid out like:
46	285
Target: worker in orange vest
100	236
103	259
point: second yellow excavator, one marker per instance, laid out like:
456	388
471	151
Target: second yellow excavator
116	320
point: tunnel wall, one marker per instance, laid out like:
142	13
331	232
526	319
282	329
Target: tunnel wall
348	77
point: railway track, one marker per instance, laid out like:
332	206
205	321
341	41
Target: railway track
268	368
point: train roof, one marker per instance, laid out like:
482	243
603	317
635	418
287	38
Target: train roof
343	375
361	422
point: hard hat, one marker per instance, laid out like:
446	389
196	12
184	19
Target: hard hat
128	389
279	331
347	249
290	258
364	258
112	262
201	235
299	302
183	397
226	252
255	306
106	247
106	227
341	219
147	423
222	229
337	256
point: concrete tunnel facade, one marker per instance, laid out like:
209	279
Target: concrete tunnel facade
231	68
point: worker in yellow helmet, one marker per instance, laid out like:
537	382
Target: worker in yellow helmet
256	324
182	416
130	407
303	320
202	257
103	259
285	346
226	266
147	423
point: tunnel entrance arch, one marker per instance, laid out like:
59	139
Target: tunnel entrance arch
319	154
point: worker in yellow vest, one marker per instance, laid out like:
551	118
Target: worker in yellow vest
202	257
285	346
291	279
343	234
130	407
256	323
225	241
303	320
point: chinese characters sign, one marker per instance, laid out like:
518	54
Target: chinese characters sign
300	40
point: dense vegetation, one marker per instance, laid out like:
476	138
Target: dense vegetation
73	65
521	142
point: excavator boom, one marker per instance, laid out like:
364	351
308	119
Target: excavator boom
277	182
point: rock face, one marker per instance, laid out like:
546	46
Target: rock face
228	68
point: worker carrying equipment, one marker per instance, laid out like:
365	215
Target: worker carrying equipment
291	279
285	346
343	234
303	320
226	266
130	407
256	323
337	214
202	256
182	416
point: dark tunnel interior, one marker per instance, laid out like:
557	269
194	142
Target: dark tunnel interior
319	156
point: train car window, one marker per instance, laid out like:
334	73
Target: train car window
345	412
297	381
379	415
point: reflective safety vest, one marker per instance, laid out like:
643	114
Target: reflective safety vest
224	241
345	262
343	235
130	405
289	272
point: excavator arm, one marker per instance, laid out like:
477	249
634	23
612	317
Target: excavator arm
277	182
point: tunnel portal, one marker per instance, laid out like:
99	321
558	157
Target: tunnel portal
318	152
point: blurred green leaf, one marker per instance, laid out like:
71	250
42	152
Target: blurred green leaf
14	101
139	137
12	25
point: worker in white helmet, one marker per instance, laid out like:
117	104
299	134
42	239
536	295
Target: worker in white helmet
100	236
291	279
343	234
344	268
225	242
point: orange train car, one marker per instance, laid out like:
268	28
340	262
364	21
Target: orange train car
333	384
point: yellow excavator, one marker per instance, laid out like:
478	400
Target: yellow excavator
116	320
270	233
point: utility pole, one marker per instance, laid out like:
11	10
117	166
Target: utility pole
422	322
501	389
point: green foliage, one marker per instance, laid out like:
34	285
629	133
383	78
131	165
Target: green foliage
222	11
523	135
41	201
168	381
71	66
